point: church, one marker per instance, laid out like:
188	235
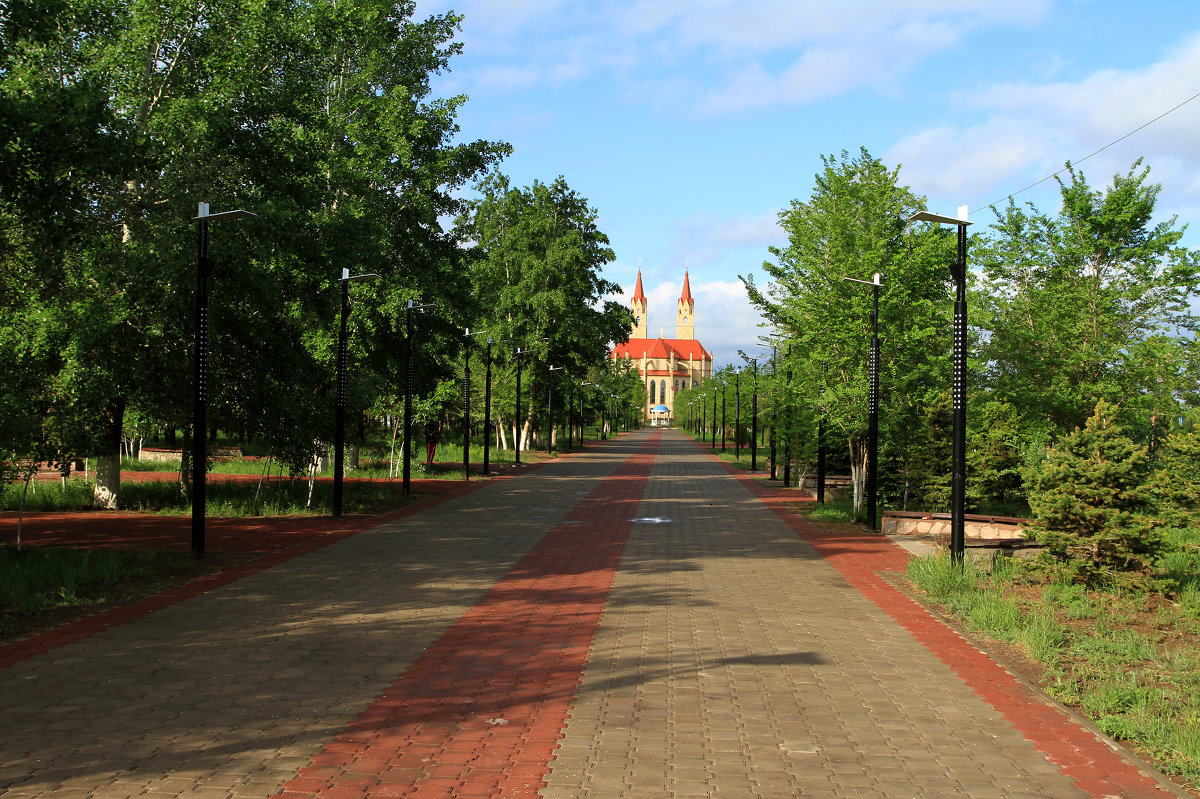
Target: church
666	365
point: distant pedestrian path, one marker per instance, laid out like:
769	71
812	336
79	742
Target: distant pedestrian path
635	620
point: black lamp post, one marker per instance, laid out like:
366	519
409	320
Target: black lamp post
737	412
872	403
487	408
787	435
821	444
517	414
406	479
724	391
467	400
713	446
550	409
774	409
754	418
339	432
582	419
958	270
569	413
204	268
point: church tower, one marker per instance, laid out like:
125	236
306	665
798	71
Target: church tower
638	306
685	318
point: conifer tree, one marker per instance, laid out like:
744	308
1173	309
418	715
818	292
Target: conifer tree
1086	498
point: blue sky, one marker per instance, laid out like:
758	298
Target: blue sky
689	124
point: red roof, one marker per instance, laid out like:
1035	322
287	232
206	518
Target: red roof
684	349
637	290
686	296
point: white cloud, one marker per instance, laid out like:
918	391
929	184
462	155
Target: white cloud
1028	131
722	55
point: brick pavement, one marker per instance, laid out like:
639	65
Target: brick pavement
733	652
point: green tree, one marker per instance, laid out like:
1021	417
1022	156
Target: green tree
854	225
1087	497
536	267
318	117
1092	304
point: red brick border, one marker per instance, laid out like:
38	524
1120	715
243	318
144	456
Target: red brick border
1074	747
479	714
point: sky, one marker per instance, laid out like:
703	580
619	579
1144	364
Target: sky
688	125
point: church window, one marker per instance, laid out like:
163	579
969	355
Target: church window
651	392
662	390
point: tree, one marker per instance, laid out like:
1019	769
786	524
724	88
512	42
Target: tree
1086	498
536	268
320	118
854	225
1092	304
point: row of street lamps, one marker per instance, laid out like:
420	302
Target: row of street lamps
958	481
200	381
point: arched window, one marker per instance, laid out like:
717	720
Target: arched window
651	392
662	391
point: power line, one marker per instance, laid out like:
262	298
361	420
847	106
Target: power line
1097	152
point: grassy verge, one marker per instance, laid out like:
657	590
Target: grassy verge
1129	662
43	584
277	497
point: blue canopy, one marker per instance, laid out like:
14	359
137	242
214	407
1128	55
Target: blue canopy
661	408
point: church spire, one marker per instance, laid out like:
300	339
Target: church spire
685	316
637	306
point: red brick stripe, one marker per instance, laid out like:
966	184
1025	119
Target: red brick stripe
1093	765
479	714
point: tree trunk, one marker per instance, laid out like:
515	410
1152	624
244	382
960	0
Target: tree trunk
185	468
858	472
107	491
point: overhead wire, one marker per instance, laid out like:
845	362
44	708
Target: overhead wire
1144	125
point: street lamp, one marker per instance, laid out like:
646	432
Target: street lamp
872	402
487	408
339	431
582	395
787	436
821	443
467	399
737	412
713	446
724	391
774	409
204	268
754	419
408	388
958	271
550	409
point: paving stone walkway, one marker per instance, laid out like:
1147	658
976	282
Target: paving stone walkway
633	621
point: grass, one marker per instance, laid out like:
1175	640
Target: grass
42	579
1129	662
277	497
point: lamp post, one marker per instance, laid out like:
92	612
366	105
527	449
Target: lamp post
204	268
872	402
724	391
774	410
467	400
787	436
737	412
339	431
568	413
821	444
613	413
406	479
754	418
550	409
487	408
582	422
713	445
958	270
517	414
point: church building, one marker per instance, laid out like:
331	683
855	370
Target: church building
666	365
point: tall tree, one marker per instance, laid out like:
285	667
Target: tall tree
1092	304
854	225
537	269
